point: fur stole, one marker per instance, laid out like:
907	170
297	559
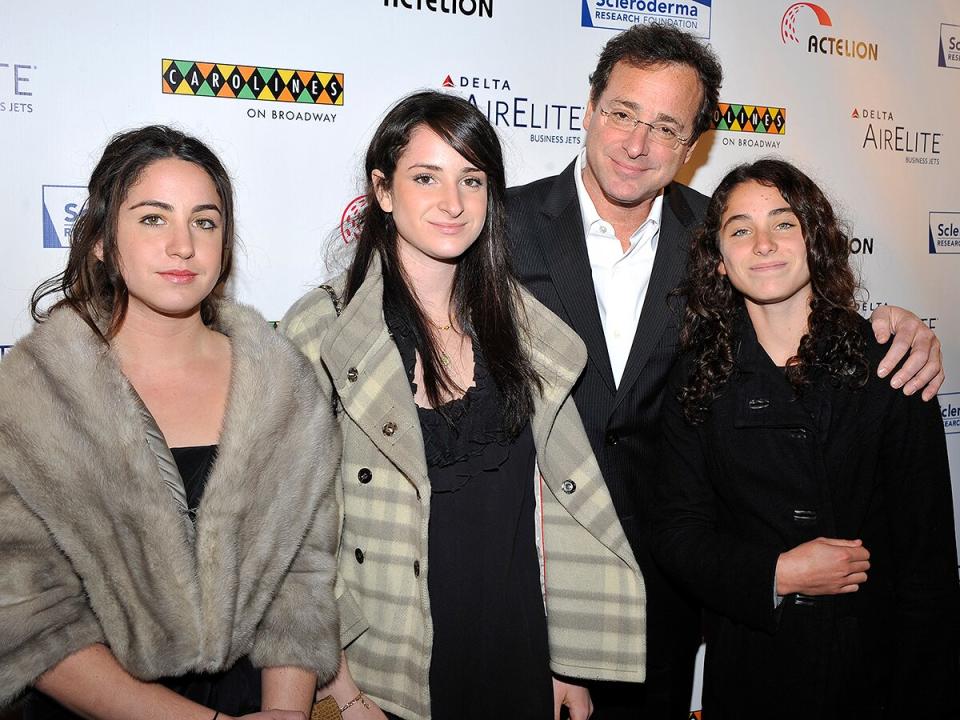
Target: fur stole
93	547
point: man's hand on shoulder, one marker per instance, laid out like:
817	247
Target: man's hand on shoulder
923	368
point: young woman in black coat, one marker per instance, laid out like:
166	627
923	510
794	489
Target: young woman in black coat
804	501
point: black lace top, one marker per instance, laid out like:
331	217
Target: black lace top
490	654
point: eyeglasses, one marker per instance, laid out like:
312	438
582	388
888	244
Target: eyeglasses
660	133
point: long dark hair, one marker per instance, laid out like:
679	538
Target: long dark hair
485	296
833	343
94	288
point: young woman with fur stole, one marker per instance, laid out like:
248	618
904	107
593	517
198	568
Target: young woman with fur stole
461	445
802	499
167	516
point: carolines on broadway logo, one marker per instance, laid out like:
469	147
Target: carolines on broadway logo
801	17
247	82
692	16
547	121
917	145
945	232
753	119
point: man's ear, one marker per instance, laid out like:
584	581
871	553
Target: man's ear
688	153
379	182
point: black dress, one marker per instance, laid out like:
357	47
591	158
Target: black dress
235	691
490	654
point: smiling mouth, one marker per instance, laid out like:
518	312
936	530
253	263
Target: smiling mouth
629	169
449	228
178	276
768	266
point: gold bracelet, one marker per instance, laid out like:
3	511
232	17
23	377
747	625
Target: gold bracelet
358	699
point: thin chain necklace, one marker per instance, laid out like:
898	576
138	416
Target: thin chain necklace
444	357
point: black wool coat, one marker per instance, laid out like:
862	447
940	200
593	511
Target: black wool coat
769	470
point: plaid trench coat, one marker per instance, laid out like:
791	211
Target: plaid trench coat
594	591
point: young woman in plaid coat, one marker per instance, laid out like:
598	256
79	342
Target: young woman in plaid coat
482	568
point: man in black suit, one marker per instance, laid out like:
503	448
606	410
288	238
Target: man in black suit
602	244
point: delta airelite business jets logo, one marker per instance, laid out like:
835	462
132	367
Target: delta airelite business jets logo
801	15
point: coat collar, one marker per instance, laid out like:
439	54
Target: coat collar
564	249
565	252
359	346
368	375
659	308
762	395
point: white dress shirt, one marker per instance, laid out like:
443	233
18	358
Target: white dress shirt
620	279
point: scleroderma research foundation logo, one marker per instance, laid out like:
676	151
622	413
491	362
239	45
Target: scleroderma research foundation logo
249	82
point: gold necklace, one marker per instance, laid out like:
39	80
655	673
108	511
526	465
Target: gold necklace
444	357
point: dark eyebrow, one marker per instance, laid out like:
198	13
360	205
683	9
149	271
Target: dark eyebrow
169	208
741	216
207	206
437	168
152	203
744	216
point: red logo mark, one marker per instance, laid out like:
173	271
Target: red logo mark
788	23
352	219
448	82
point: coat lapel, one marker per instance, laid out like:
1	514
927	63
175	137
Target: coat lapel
563	451
368	375
560	234
668	266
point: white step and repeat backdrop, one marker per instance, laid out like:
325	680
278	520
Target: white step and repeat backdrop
863	94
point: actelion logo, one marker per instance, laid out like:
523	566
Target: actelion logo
248	82
788	23
826	44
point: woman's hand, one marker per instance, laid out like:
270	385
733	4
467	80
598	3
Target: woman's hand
575	697
269	715
825	566
343	689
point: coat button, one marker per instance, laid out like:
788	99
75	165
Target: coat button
389	428
568	487
612	438
416	568
358	554
364	476
352	374
805	517
758	403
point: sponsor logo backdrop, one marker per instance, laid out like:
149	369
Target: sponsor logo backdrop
871	99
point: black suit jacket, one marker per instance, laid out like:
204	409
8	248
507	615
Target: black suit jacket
550	257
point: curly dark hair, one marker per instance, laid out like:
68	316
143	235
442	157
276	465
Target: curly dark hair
652	45
834	342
